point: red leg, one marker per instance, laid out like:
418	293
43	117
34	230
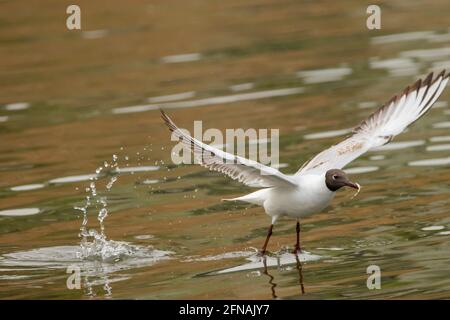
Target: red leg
297	245
263	250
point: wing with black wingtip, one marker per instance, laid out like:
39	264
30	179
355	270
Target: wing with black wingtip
381	126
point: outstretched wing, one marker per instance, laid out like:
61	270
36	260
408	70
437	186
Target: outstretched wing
380	128
249	172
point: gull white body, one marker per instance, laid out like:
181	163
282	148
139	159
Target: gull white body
309	197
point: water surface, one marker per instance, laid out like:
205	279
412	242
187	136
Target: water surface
71	100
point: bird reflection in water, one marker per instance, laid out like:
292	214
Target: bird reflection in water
282	261
273	285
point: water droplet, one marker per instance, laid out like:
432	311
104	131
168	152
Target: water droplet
111	182
102	214
93	189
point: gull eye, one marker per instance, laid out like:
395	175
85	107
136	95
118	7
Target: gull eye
335	177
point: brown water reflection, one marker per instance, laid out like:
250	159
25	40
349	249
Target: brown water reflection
57	120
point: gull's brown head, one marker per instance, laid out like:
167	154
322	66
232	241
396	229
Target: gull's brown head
336	179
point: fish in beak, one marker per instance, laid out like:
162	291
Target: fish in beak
354	186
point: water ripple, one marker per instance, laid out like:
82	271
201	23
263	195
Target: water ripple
399	145
187	57
442	125
439	147
324	75
405	36
256	262
27	187
19	212
326	134
172	97
69	179
211	101
440	139
430	162
17	106
432	228
356	170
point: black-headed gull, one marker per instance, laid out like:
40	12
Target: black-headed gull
312	188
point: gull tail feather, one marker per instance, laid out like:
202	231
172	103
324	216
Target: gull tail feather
257	197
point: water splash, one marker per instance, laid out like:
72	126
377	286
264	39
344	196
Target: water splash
93	244
95	249
100	269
